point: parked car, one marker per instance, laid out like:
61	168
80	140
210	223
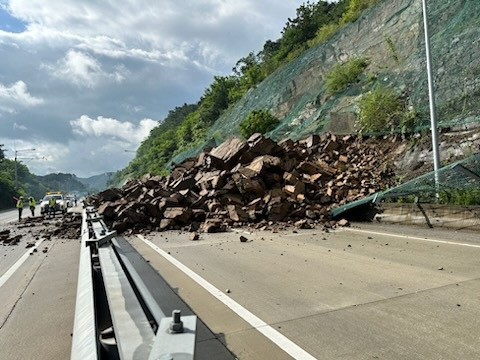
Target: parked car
60	203
70	200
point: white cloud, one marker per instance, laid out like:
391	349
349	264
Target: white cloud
19	127
159	31
126	60
112	128
84	70
16	95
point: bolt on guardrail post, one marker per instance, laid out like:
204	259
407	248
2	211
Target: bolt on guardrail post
176	326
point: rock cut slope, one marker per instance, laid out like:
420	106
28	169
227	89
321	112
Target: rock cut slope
390	35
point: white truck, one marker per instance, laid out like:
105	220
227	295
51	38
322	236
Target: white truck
60	203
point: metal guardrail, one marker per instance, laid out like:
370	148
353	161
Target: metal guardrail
116	317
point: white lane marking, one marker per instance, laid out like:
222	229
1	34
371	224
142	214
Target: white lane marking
412	237
280	340
19	263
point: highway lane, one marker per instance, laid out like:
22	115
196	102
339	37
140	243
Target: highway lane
8	216
372	291
37	293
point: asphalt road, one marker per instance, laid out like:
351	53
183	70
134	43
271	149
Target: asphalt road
8	216
367	292
37	295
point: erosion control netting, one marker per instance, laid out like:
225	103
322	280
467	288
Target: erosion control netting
457	182
391	36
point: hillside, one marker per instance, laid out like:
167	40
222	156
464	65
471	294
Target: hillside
96	183
390	35
389	38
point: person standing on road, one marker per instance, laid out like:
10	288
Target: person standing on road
51	207
19	206
32	204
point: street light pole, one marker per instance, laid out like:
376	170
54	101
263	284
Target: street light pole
431	95
15	163
16	174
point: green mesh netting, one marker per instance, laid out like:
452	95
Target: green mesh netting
391	36
454	182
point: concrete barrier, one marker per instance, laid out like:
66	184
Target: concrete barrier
432	215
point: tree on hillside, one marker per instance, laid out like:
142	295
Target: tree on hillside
2	153
258	121
310	17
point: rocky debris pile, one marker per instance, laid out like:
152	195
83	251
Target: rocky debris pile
68	228
7	238
257	181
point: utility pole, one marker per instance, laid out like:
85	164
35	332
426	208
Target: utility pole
15	163
431	95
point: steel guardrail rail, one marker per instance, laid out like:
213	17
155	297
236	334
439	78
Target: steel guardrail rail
116	317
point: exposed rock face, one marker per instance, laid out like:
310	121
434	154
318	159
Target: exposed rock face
296	182
390	35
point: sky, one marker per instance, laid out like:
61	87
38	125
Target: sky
83	82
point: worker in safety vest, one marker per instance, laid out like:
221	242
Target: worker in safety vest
19	206
32	204
51	206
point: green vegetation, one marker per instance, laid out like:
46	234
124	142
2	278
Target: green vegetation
410	120
380	109
258	121
460	196
343	75
450	196
324	33
29	184
355	9
391	49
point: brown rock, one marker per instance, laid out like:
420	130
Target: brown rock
237	214
110	195
183	182
230	151
178	214
311	140
107	209
166	224
303	224
264	163
278	211
213	225
295	190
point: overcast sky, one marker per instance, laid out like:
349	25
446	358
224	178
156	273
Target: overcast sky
81	81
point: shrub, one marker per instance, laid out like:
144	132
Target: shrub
324	33
409	121
342	75
460	196
355	9
258	121
379	109
391	49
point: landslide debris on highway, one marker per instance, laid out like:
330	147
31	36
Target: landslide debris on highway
31	229
258	181
9	238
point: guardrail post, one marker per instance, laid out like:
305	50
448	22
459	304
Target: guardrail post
107	277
